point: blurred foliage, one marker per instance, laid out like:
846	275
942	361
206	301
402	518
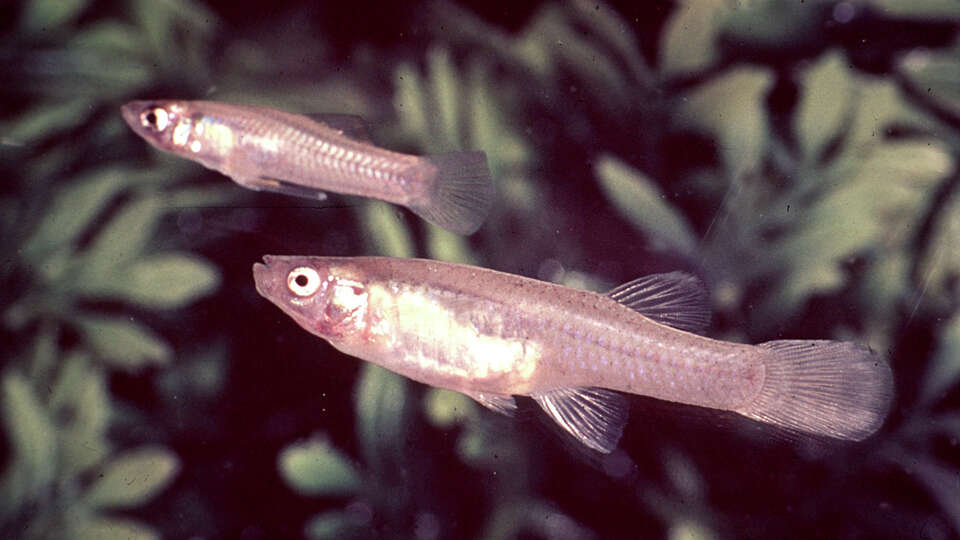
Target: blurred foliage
86	262
800	156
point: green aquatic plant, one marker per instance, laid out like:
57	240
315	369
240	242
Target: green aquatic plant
83	268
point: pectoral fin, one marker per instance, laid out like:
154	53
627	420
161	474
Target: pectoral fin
503	404
594	416
285	188
675	299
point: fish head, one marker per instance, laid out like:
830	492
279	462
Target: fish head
325	298
160	122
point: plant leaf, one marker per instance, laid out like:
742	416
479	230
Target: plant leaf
614	29
770	24
533	47
446	408
499	137
933	10
381	405
855	217
408	101
640	200
878	105
445	97
687	529
133	478
315	467
163	281
443	245
123	343
122	240
944	371
175	30
732	107
96	527
940	264
335	524
48	119
388	233
688	41
79	400
32	440
935	75
880	293
72	209
48	15
578	51
110	35
490	128
827	89
941	481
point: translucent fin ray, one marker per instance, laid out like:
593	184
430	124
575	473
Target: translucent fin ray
503	404
462	192
675	299
594	416
830	388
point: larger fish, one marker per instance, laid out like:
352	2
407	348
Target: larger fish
267	149
492	335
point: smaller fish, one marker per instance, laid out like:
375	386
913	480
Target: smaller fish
272	150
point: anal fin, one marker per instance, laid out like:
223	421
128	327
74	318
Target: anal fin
501	403
595	416
675	299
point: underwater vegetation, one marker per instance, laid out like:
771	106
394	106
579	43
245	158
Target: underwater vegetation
799	157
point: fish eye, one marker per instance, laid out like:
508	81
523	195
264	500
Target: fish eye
303	281
156	118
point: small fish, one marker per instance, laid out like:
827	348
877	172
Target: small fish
267	149
492	335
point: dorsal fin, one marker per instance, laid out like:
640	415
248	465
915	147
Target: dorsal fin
675	299
350	125
595	416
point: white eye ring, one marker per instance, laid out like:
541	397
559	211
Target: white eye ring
160	119
303	281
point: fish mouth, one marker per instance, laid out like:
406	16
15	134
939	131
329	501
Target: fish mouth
131	113
261	276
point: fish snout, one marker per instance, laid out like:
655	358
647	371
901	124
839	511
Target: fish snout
261	277
131	114
264	275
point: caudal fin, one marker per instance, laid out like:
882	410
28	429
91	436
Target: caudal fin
463	192
831	388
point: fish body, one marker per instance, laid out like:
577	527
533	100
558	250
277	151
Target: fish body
492	335
269	149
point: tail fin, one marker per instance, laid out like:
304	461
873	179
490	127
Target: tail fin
830	388
462	194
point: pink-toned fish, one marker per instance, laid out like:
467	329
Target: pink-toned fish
492	335
267	149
